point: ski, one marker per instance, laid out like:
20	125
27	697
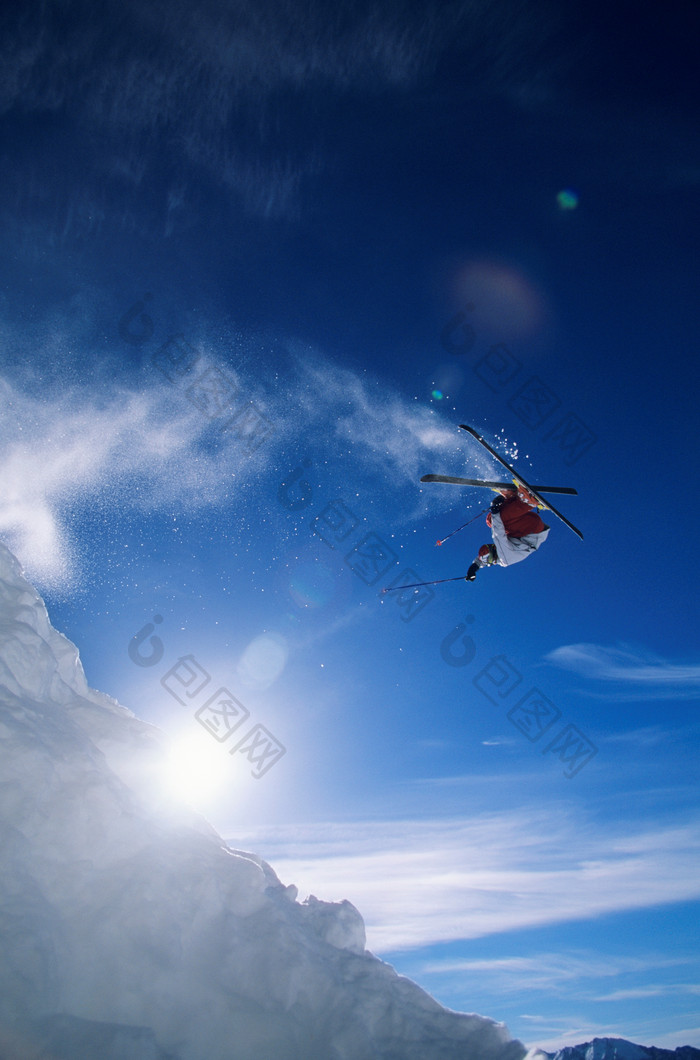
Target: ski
531	489
453	480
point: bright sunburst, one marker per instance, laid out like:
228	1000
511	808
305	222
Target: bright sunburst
196	769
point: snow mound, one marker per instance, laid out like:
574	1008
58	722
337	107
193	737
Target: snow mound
131	931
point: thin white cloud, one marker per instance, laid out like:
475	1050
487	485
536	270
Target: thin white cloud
576	975
216	82
677	1039
646	673
427	881
219	85
638	993
644	738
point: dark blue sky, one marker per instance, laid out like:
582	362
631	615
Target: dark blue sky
349	227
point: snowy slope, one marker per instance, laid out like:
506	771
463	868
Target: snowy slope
130	930
618	1049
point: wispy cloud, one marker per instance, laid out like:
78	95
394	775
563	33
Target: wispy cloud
568	973
245	93
426	881
642	992
643	673
214	86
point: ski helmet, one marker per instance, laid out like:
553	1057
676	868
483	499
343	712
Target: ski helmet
488	555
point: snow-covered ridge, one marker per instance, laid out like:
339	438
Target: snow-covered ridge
618	1049
131	930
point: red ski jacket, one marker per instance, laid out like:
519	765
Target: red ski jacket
519	519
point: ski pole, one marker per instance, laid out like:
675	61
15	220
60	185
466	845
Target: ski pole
416	585
462	526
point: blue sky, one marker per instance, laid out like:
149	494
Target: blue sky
262	262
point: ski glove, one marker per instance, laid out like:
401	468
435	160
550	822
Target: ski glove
471	573
496	504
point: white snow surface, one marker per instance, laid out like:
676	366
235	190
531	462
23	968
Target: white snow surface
131	931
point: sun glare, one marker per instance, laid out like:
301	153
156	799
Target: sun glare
197	769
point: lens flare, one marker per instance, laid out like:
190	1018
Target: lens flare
567	199
263	661
312	584
507	305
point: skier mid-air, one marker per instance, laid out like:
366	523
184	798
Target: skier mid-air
516	528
